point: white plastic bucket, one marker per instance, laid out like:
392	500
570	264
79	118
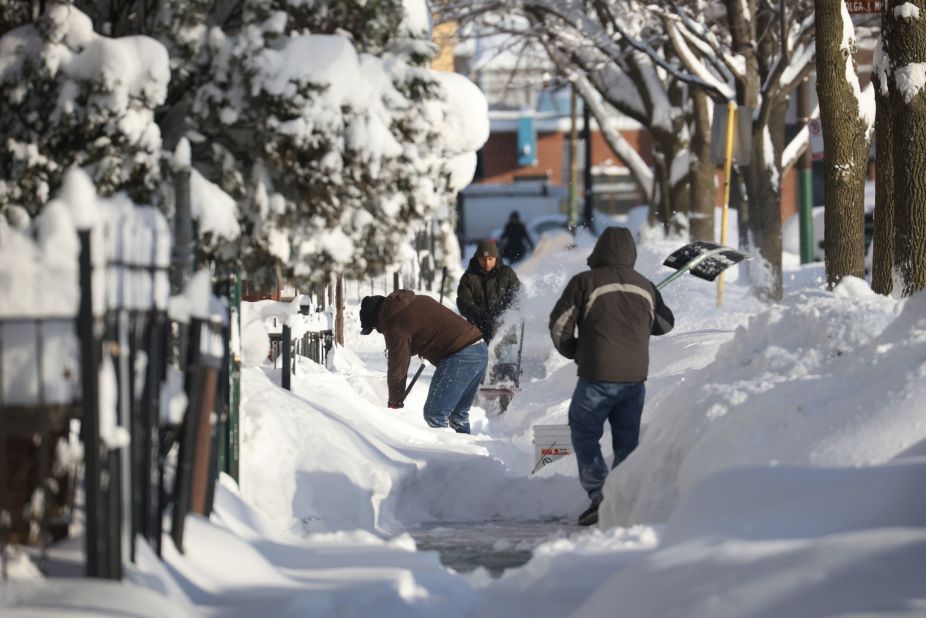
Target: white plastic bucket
551	442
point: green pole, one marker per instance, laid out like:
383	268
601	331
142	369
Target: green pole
806	216
805	170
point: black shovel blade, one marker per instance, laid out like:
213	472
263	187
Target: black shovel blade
709	267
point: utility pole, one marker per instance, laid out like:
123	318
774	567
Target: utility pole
588	214
573	162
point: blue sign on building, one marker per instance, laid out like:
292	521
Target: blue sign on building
527	141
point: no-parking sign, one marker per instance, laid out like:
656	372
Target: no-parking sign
816	139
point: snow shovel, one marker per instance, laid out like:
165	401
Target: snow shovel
702	259
408	389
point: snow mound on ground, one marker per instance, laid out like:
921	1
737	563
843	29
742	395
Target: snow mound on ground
814	380
783	542
342	461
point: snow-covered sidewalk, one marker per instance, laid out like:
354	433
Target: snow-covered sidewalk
778	475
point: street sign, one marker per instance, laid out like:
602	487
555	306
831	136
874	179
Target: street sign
742	135
816	138
863	6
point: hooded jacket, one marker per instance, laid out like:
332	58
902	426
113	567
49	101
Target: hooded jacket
419	325
482	297
615	309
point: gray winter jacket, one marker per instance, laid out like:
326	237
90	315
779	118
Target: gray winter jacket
615	308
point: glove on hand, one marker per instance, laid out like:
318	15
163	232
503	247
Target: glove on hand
395	406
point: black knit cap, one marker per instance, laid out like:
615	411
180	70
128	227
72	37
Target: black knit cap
369	313
487	248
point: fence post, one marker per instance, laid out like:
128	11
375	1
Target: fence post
184	247
339	309
156	348
5	510
286	368
95	542
183	475
231	440
136	427
207	371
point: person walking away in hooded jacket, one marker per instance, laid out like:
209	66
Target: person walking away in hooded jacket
419	325
515	239
487	289
615	310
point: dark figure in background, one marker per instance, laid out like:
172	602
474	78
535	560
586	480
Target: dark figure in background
487	289
515	239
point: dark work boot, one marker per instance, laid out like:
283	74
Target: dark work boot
589	517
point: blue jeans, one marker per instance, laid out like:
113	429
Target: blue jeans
454	387
593	403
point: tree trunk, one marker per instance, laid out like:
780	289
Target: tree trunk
678	201
908	107
882	267
659	211
760	208
703	194
671	189
678	149
763	186
845	146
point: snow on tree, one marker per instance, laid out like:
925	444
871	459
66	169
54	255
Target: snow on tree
755	52
761	51
320	120
74	98
602	69
323	121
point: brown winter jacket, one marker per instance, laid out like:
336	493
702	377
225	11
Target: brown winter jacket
418	325
616	310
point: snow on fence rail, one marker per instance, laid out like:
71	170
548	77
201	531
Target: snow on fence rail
87	327
38	377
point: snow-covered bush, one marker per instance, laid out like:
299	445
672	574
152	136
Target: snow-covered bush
319	121
72	97
333	153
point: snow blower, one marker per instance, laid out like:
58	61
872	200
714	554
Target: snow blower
505	374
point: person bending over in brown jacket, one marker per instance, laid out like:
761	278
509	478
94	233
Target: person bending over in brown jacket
420	326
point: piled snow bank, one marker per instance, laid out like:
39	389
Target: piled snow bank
237	564
822	379
331	457
783	542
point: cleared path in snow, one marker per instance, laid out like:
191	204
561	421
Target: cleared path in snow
343	460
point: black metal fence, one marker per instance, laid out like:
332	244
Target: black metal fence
314	346
38	399
105	364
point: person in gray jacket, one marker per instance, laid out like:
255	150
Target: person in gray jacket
615	310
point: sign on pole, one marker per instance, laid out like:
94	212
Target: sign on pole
863	6
816	138
742	135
